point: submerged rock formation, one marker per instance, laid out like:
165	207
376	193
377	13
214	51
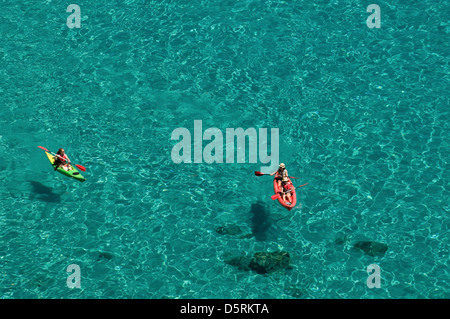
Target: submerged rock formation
371	248
232	230
241	262
104	255
229	230
262	262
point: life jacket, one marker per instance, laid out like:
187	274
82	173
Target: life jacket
281	173
58	159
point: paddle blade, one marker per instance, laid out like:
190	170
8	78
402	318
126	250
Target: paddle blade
276	196
41	147
259	173
81	168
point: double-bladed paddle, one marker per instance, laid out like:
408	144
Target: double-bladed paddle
261	174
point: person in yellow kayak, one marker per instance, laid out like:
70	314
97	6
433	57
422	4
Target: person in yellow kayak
287	188
62	160
281	173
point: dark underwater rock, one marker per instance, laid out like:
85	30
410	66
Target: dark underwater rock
229	230
104	255
371	248
263	262
241	262
157	229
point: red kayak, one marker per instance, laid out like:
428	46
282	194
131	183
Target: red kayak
280	199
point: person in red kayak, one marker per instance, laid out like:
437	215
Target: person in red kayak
62	160
281	172
287	188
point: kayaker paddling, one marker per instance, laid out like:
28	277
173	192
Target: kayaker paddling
62	160
63	165
284	189
280	174
287	188
285	193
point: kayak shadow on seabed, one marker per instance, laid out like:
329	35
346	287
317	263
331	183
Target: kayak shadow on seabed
44	193
262	226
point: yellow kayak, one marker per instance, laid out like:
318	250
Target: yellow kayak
73	172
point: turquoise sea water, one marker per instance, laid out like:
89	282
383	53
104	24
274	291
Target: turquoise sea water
362	115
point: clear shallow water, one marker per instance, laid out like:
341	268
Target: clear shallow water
363	118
